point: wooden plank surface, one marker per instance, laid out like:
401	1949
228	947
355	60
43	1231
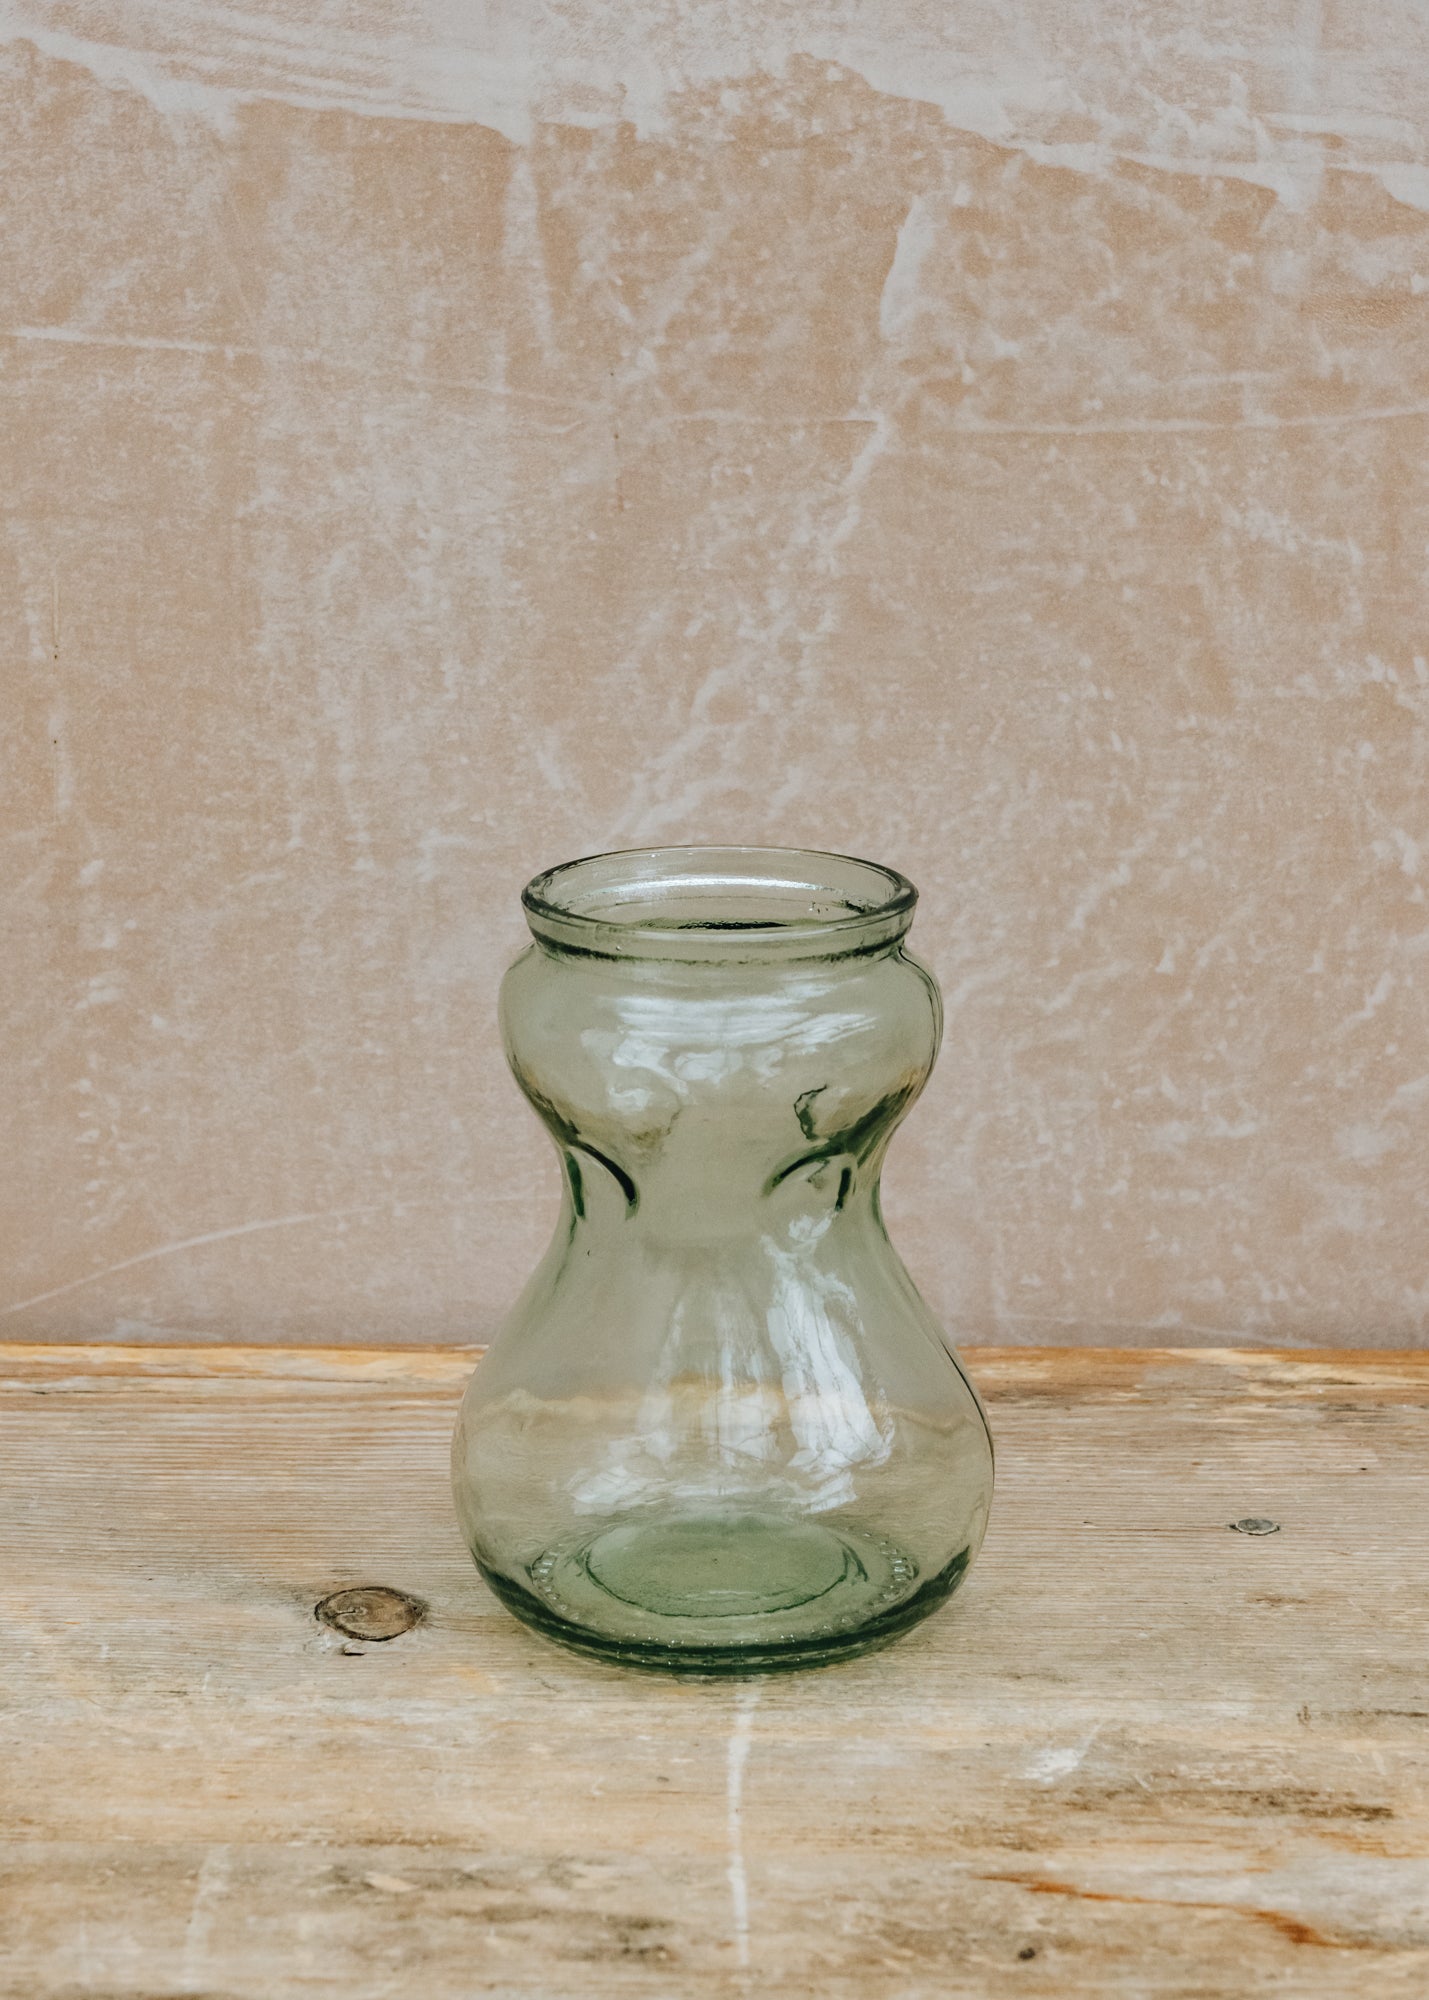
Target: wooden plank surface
1139	1755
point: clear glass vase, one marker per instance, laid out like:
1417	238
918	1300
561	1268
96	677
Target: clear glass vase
720	1432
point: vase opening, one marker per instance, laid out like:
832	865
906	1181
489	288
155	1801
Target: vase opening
719	903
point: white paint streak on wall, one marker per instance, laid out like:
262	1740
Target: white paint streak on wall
500	67
175	1249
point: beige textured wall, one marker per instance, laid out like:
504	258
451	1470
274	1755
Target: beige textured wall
439	439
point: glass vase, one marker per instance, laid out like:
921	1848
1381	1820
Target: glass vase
720	1432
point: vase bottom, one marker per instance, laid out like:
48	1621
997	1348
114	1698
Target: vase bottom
725	1593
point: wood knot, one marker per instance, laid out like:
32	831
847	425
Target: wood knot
371	1611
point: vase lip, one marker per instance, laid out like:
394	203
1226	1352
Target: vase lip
719	905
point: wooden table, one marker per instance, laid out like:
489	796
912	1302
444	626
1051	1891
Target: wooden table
1141	1754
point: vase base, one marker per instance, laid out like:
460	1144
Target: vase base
725	1593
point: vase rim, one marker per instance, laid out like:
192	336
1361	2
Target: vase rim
719	904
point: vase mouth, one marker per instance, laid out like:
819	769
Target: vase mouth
719	904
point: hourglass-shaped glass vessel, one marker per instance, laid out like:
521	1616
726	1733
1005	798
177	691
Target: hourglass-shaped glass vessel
720	1432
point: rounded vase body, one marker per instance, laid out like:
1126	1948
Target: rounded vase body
720	1432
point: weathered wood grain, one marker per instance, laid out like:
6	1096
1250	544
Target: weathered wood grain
1140	1755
